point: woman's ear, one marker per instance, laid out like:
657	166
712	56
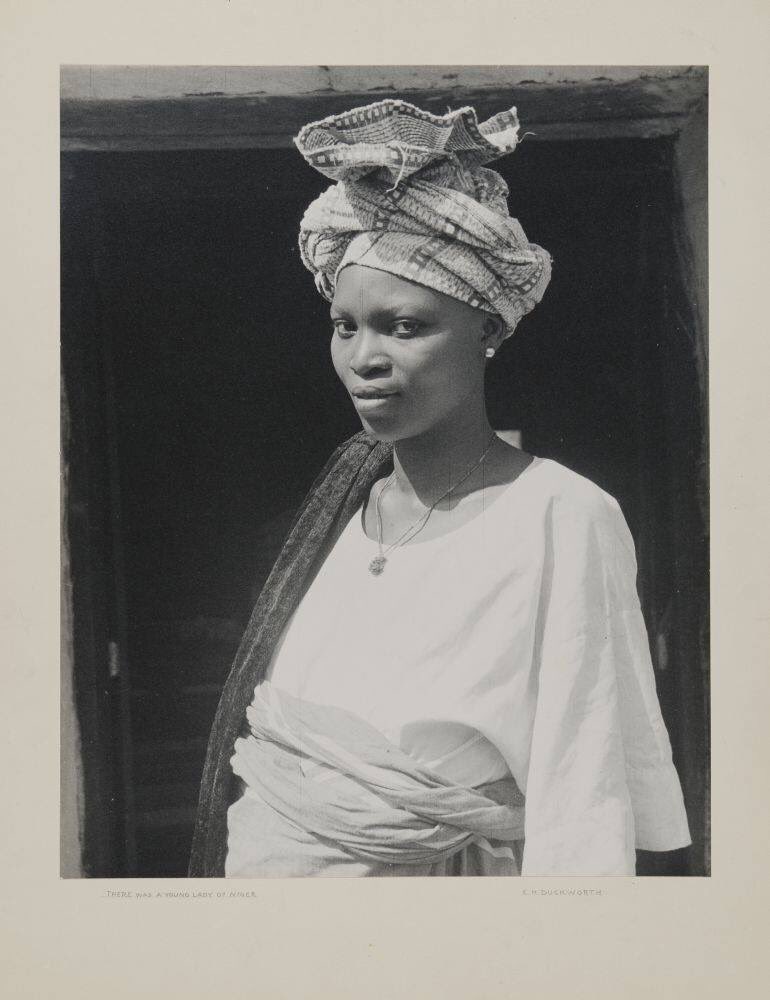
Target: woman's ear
492	331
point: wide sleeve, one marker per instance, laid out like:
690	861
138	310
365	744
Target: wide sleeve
600	781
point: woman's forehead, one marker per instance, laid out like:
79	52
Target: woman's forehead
359	286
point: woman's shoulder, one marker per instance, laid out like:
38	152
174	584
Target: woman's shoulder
355	454
359	448
570	494
583	514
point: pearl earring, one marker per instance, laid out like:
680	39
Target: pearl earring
490	352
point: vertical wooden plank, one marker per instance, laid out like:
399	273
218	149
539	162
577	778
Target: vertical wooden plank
86	526
119	658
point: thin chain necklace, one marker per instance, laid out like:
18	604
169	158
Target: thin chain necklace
377	565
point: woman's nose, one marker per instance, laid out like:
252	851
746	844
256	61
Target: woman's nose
368	354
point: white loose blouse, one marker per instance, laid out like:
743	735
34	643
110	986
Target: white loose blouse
511	645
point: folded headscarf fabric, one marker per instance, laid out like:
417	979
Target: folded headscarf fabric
327	794
413	199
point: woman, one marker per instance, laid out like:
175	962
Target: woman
447	672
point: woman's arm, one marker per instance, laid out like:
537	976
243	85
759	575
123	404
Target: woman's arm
601	781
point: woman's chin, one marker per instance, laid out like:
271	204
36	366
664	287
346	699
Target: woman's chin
383	430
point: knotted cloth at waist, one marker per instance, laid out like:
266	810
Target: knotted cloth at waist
321	775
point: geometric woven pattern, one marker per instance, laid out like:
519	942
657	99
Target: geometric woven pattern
412	198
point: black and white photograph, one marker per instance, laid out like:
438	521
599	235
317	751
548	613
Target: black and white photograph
385	471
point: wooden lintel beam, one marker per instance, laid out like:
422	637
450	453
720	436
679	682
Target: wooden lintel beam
638	108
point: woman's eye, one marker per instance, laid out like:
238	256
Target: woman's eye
343	328
406	327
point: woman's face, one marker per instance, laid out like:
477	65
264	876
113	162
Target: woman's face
410	357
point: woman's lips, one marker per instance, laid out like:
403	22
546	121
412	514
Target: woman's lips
371	392
369	398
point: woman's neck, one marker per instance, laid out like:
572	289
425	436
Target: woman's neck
428	465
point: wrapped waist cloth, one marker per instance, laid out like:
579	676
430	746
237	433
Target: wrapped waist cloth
327	794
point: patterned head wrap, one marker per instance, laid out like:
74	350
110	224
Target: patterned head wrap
412	198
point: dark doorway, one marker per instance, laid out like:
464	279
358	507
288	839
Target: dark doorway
202	402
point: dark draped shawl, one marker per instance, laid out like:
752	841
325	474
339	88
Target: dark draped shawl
337	493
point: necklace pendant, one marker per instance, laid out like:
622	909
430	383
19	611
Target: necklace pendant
377	565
